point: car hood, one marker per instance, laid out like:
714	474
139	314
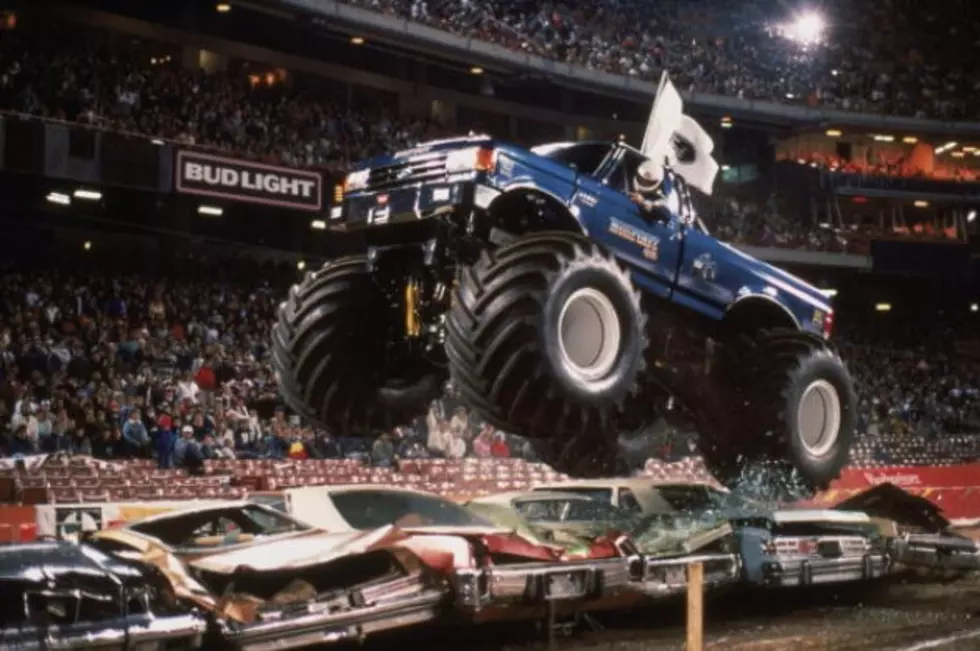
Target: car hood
694	536
297	551
45	561
424	148
466	531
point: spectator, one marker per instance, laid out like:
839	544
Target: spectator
187	451
383	452
135	434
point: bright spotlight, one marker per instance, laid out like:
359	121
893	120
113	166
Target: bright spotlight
806	29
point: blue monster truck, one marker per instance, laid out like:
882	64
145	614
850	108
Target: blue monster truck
561	310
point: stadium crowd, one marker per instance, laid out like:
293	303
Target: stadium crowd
94	77
122	357
865	57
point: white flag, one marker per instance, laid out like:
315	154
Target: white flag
679	140
690	156
665	119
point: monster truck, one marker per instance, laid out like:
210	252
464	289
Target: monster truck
560	311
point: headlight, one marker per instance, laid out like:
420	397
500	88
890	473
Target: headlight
357	180
471	159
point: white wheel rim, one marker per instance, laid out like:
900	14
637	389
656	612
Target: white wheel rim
819	418
589	334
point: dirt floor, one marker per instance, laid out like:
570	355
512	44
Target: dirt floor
893	615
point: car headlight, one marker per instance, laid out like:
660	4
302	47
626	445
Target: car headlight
357	180
471	159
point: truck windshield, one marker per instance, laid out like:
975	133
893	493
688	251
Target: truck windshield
584	158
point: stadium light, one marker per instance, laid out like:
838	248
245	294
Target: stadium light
58	198
806	29
829	293
211	211
222	7
942	149
834	133
910	140
318	224
87	246
883	307
921	204
356	40
301	265
476	70
974	307
87	195
971	216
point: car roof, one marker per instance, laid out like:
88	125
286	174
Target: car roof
526	496
359	488
178	512
612	482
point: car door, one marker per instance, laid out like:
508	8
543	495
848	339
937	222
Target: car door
649	247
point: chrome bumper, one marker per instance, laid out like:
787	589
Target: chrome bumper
815	571
935	552
538	583
335	627
668	576
133	632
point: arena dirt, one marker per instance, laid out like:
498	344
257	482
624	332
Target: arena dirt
895	615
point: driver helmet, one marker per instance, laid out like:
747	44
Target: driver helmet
649	176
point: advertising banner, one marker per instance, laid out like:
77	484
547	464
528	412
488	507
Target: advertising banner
967	475
245	181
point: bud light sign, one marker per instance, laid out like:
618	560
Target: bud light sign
237	180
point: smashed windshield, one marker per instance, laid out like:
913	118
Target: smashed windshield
567	509
696	511
604	495
218	527
370	509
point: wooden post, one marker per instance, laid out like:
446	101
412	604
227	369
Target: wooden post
695	607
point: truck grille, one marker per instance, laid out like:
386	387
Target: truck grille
427	167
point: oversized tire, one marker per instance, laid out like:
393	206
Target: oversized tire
546	338
793	407
329	353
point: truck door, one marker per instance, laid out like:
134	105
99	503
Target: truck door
706	277
650	248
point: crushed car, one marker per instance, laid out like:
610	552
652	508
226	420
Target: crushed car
496	572
918	533
267	580
665	552
61	595
777	546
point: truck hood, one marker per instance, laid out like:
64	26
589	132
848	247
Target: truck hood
294	552
421	149
781	280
